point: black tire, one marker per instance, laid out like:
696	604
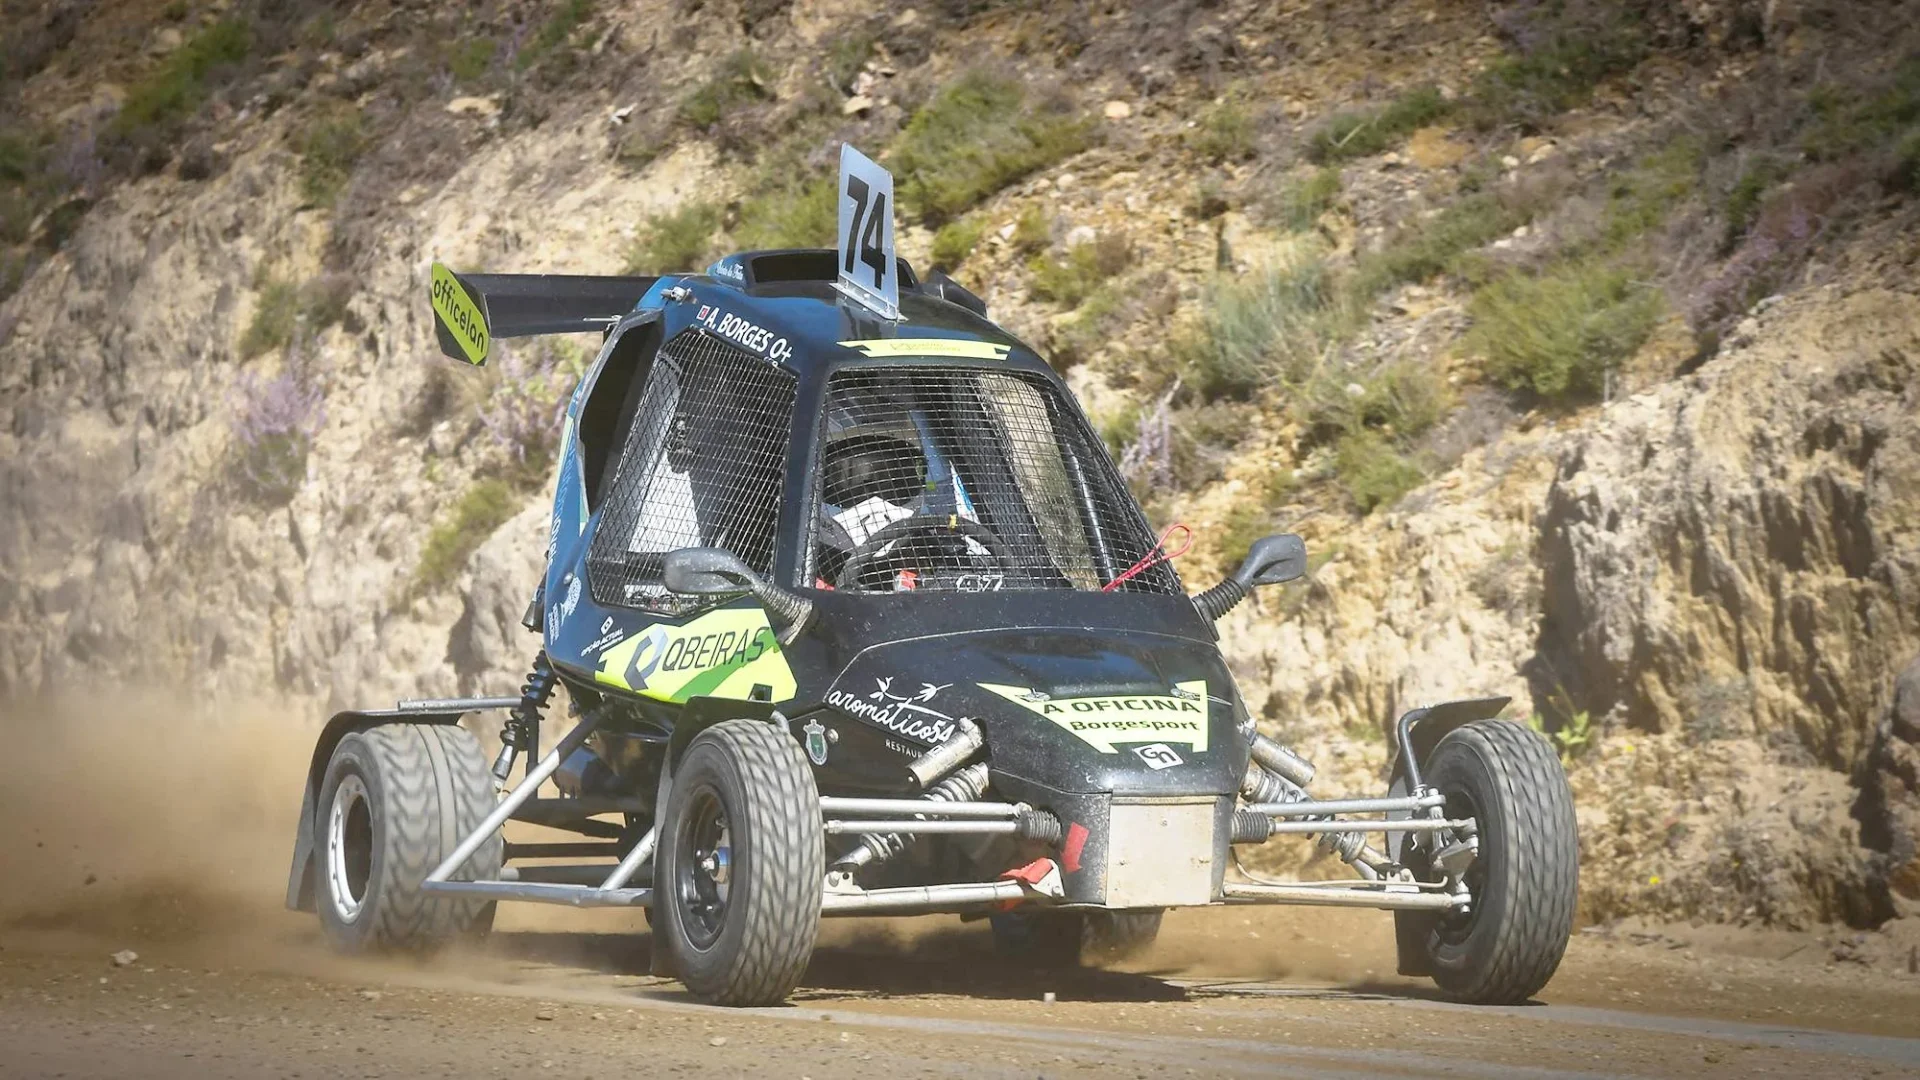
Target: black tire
407	794
743	937
1068	938
1525	880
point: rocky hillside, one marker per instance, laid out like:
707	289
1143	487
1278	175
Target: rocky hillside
1578	338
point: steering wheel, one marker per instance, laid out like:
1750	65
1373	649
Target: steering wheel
863	556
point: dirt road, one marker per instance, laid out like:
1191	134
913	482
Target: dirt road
1226	994
185	866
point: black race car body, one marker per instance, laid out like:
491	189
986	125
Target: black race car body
706	420
854	614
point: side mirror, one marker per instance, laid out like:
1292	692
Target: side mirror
1271	560
708	571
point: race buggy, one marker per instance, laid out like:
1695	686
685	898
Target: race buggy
855	616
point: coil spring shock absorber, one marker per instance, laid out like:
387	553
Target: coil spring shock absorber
522	729
965	785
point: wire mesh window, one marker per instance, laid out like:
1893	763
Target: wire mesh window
964	479
702	466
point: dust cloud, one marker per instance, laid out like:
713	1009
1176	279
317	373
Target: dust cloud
128	819
130	823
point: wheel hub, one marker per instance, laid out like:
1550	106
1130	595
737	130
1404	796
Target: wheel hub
349	847
704	878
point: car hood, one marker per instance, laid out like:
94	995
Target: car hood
1069	708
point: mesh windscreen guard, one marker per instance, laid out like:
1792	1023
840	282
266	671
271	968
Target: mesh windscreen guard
960	478
702	467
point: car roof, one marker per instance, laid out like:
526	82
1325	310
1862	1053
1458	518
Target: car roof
822	328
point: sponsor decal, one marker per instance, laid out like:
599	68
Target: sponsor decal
558	614
1158	756
910	715
731	271
609	637
723	653
973	350
752	337
1101	721
457	312
816	742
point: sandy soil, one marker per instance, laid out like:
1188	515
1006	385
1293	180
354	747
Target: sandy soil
185	866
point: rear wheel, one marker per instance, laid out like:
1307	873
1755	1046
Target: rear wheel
742	859
396	800
1525	879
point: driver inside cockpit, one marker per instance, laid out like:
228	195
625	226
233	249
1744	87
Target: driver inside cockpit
881	468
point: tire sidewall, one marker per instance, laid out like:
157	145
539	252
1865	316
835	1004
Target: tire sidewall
1456	767
352	757
1526	873
706	766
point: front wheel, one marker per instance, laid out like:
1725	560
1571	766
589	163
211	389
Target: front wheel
742	857
1525	879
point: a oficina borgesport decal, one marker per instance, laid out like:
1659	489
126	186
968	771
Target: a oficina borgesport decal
902	714
1101	721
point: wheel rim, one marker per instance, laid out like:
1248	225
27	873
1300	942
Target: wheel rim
1456	927
703	868
349	847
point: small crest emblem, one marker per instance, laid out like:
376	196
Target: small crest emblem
816	742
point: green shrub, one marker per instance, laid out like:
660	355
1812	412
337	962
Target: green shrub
794	215
1851	122
61	222
276	313
1099	314
1742	203
178	86
846	56
555	35
1365	132
1399	400
329	148
16	216
680	239
19	158
1529	89
1223	133
13	273
1072	279
1298	204
1427	246
1642	198
955	241
742	78
468	61
1276	324
1906	164
1558	334
1032	230
1372	471
323	301
484	507
978	134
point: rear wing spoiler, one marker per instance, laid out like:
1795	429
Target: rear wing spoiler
470	310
